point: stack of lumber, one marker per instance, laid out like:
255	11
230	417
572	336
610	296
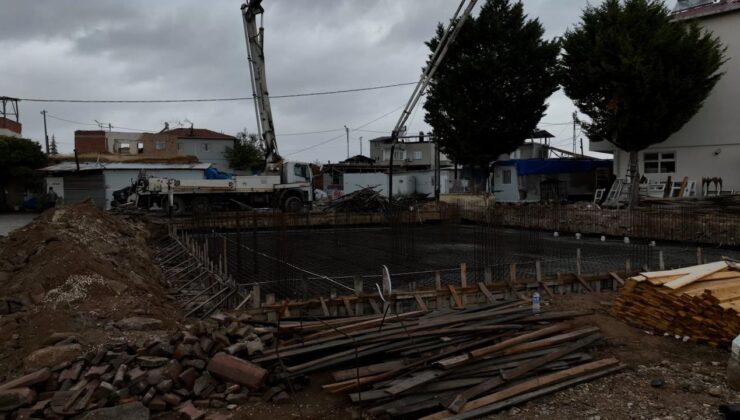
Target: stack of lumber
457	363
698	302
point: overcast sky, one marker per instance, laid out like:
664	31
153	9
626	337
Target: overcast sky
137	49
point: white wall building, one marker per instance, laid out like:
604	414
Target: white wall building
709	144
98	181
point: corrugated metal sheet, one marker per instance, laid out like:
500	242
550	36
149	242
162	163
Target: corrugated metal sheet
80	187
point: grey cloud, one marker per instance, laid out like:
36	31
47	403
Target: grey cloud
102	49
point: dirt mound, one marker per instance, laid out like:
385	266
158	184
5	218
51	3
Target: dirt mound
77	269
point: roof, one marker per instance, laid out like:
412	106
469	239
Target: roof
541	134
92	166
554	166
358	159
198	133
696	9
96	132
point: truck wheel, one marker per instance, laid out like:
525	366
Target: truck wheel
200	205
292	204
178	206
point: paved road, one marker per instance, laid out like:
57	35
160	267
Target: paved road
12	221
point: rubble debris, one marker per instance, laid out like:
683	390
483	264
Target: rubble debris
130	411
368	199
697	303
52	356
237	370
139	324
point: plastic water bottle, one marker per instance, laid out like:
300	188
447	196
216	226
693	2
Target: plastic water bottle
536	302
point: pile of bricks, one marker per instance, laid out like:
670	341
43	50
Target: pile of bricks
198	367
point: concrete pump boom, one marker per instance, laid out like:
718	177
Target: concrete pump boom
453	29
256	57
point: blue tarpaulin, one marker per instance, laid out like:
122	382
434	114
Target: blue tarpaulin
554	166
213	173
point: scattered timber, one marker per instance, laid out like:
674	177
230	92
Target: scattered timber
443	363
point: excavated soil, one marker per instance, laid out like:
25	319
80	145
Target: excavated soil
75	269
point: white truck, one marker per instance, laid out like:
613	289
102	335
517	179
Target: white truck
290	191
285	185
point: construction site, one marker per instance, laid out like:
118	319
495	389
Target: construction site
422	312
157	279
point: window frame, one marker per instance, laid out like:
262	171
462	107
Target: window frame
654	162
506	173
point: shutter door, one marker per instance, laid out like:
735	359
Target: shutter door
80	187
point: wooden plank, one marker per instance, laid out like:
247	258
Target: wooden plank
551	341
324	308
464	283
416	380
583	282
348	307
523	338
351	373
420	303
684	182
530	385
707	269
523	398
616	278
455	296
486	292
243	302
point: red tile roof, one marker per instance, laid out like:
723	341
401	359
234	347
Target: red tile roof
198	133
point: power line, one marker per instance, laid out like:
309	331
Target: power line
94	125
240	98
341	136
309	132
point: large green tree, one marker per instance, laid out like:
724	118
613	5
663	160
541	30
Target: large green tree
638	74
19	159
246	155
489	93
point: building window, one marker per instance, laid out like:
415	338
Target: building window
205	147
386	154
159	145
399	155
140	147
660	162
506	175
179	146
124	148
417	155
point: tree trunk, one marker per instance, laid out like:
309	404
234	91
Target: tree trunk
634	180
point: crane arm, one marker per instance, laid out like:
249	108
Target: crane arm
449	36
256	58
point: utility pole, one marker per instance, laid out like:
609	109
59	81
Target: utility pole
46	135
581	146
575	122
347	131
360	145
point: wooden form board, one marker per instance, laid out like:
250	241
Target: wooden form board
699	303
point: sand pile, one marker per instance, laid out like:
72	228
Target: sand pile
76	269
